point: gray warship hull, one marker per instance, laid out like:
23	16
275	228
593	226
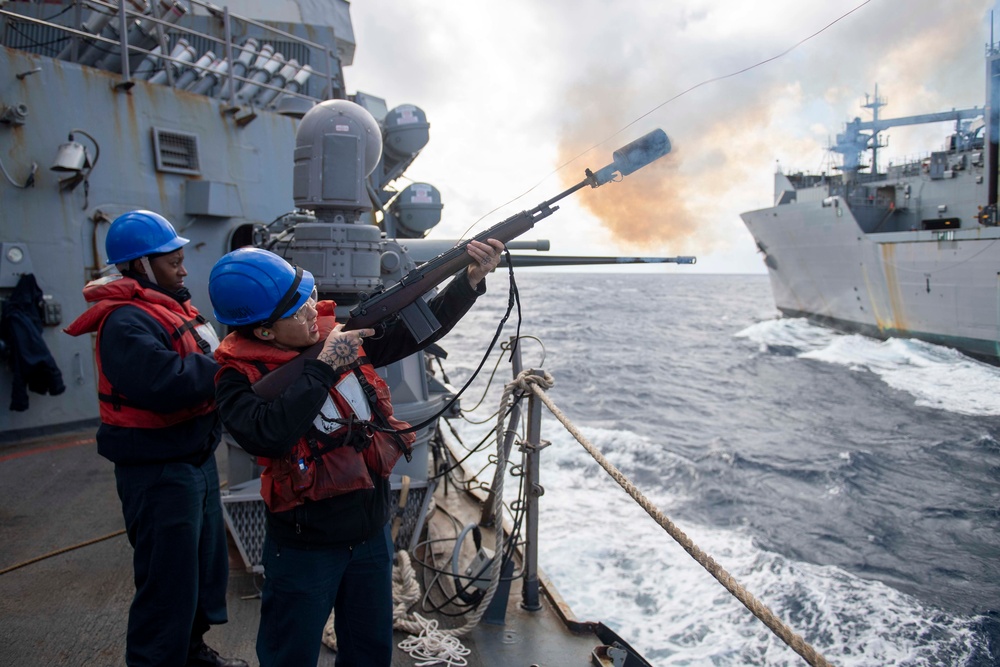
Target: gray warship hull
911	251
937	286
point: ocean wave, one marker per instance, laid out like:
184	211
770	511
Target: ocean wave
676	613
611	561
863	519
937	377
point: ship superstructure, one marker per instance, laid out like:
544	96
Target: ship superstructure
204	135
910	250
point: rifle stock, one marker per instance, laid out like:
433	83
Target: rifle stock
404	296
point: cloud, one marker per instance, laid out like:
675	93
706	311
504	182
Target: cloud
522	98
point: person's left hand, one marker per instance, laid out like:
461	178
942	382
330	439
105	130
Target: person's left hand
486	256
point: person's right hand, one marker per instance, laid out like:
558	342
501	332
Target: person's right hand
341	347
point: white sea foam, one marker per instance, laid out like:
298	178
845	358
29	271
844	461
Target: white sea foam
630	573
613	563
936	376
796	333
675	613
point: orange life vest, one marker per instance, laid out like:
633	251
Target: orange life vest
181	321
341	452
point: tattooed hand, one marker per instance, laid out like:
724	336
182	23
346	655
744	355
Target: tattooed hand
342	347
486	256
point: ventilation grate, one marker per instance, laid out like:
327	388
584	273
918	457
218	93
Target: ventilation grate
176	152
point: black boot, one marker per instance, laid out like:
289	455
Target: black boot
202	655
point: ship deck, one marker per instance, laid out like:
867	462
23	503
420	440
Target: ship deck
65	602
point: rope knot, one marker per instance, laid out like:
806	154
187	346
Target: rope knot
527	377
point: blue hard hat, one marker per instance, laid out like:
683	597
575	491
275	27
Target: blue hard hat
252	285
138	234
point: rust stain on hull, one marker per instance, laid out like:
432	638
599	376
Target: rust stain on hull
897	315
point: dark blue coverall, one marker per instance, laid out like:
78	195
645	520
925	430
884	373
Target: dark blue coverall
169	488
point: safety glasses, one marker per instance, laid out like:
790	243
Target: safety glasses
300	314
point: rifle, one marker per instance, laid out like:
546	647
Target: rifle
403	298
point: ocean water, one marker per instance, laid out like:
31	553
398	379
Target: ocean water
852	485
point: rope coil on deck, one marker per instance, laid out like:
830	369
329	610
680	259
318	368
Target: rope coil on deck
430	645
527	382
441	645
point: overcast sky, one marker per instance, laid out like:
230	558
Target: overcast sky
522	96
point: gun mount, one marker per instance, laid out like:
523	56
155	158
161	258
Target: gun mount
403	299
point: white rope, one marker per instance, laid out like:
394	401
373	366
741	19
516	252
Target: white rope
429	639
329	634
405	587
434	646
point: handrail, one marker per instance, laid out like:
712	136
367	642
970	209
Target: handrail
130	17
59	26
217	11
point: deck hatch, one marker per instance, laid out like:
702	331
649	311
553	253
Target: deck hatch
176	152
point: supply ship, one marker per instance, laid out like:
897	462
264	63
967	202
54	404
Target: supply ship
908	249
192	110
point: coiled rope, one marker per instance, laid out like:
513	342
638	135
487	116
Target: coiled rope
442	645
433	646
525	381
428	644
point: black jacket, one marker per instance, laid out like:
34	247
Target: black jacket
30	361
138	357
270	428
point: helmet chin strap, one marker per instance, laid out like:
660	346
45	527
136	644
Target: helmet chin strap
148	269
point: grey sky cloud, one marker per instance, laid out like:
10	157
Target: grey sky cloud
515	90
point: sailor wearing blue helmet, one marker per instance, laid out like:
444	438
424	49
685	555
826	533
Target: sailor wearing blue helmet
160	428
328	443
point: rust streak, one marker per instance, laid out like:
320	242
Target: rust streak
897	316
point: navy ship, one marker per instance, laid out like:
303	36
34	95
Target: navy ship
193	110
907	249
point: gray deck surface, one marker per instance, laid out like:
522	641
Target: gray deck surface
71	608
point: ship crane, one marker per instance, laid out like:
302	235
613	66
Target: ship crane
853	141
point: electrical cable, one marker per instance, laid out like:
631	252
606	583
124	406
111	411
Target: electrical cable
14	27
489	382
461	602
503	348
469	452
28	182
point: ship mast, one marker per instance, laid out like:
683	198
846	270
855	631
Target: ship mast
854	140
992	117
874	104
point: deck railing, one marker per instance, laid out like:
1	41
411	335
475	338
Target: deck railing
150	34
